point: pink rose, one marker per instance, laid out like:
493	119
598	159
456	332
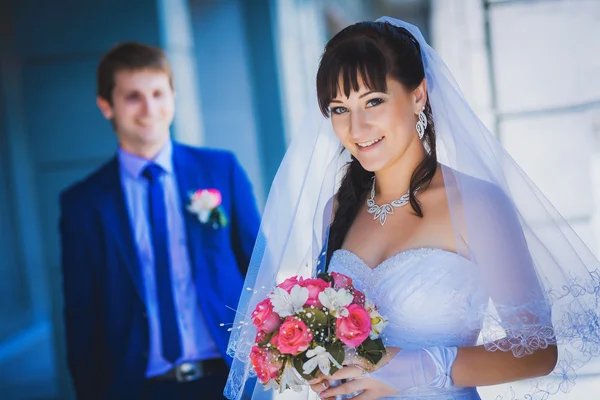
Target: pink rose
260	336
266	363
262	311
314	286
355	328
289	283
341	281
275	340
359	297
271	323
293	336
264	317
209	198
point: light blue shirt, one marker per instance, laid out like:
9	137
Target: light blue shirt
197	343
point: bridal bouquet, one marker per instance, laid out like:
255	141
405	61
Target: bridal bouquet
308	325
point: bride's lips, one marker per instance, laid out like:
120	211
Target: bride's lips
370	145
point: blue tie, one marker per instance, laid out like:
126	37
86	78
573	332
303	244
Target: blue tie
169	329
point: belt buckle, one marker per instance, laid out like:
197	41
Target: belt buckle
188	372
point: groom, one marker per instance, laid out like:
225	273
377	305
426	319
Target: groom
149	270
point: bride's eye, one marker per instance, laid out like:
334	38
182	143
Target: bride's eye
374	102
339	110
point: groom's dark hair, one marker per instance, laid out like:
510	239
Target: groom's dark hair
129	56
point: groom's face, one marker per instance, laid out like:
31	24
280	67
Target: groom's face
142	108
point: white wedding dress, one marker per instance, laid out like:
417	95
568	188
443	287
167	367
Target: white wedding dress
430	297
543	280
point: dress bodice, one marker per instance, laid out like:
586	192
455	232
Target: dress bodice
430	297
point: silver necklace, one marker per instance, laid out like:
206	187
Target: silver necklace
384	210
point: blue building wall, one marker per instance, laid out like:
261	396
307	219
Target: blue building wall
239	84
222	56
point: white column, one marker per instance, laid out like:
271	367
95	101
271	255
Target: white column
458	35
178	41
300	40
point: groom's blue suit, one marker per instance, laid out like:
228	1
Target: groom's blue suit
106	317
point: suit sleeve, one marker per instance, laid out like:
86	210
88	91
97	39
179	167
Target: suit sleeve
79	296
245	218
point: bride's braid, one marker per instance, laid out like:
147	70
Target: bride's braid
350	197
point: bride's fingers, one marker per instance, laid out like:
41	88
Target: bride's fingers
345	388
320	377
320	387
319	383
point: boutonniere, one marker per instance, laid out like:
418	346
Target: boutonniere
206	204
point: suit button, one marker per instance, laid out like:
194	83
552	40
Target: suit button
145	355
145	315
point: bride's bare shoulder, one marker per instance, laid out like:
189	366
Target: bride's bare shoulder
464	190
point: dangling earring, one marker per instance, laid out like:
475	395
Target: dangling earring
422	124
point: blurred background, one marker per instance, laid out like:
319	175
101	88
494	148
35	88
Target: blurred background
244	72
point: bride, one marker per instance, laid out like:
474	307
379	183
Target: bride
482	281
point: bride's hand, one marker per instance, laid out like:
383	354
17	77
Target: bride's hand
361	381
398	371
356	368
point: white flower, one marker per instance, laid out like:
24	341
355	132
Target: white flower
203	202
202	213
369	306
377	325
319	356
286	304
272	384
291	378
336	301
378	322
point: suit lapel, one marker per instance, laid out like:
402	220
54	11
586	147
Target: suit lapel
116	217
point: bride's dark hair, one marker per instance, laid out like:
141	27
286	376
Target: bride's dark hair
371	51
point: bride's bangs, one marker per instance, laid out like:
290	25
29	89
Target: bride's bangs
344	67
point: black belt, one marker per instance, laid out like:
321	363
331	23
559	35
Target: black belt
191	371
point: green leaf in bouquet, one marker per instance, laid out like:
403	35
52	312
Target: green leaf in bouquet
327	335
266	339
372	350
326	277
337	352
298	362
314	318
